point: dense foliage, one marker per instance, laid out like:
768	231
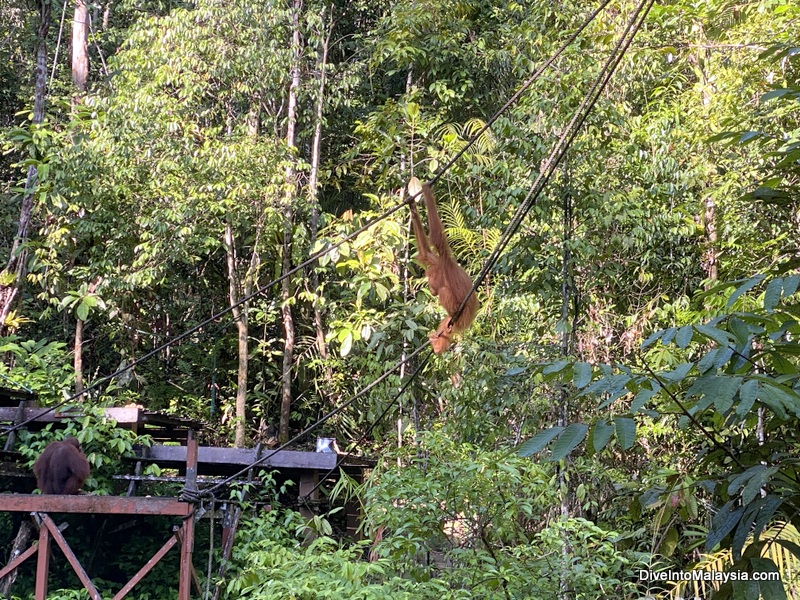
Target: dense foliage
628	397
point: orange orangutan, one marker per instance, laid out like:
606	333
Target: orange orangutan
446	278
62	468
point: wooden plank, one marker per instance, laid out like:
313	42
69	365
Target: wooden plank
285	459
93	504
71	558
42	564
191	462
18	560
147	567
187	549
126	415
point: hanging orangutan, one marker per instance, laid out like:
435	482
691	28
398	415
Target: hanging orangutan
447	280
62	468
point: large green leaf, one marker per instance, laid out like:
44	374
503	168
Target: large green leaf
626	431
601	433
538	442
723	523
568	440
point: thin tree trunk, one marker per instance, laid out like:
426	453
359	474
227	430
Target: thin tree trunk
240	316
13	276
106	15
20	545
710	223
566	349
313	180
80	55
78	356
286	262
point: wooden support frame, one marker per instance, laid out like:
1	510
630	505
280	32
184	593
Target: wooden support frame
43	504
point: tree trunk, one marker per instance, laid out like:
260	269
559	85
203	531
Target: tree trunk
80	55
13	276
286	262
20	545
78	356
240	316
710	223
567	291
313	179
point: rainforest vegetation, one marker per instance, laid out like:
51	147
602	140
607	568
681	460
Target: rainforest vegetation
204	213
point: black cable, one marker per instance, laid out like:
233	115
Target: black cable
519	92
371	428
563	143
210	319
319	422
316	256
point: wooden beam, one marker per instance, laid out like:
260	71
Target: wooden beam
285	459
147	567
93	504
187	550
18	560
71	558
42	564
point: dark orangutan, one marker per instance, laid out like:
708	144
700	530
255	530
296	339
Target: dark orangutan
446	278
61	468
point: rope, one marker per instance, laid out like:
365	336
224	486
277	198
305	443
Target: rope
319	422
316	256
370	429
563	144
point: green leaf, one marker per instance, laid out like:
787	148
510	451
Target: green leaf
725	390
656	335
773	590
641	399
347	345
751	283
772	295
626	431
601	434
774	395
766	513
82	311
719	336
568	440
670	542
679	374
756	483
514	371
555	367
684	336
581	375
737	482
790	285
539	441
775	94
747	396
708	360
723	523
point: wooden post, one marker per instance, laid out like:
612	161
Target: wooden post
187	529
70	555
42	563
19	417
